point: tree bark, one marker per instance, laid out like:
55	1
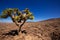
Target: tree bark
21	26
16	22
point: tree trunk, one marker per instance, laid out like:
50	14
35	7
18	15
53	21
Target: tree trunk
21	26
16	22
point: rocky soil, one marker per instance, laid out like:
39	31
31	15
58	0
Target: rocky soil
43	30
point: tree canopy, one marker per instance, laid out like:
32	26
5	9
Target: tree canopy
17	16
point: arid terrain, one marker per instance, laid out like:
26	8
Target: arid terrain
42	30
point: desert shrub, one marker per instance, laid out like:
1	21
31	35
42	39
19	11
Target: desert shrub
17	16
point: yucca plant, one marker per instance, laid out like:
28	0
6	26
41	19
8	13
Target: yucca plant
17	16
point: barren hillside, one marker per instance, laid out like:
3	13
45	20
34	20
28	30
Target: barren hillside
43	30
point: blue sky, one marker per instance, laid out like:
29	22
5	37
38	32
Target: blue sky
41	9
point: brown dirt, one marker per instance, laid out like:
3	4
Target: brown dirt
43	30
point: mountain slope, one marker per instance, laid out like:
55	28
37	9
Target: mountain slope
44	30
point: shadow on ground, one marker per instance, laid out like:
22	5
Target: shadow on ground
14	32
55	35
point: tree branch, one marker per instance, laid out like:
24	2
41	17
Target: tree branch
12	17
21	25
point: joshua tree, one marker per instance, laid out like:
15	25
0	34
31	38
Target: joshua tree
17	16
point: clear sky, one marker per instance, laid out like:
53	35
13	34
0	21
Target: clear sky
41	9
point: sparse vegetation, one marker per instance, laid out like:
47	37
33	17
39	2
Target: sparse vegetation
35	31
17	16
